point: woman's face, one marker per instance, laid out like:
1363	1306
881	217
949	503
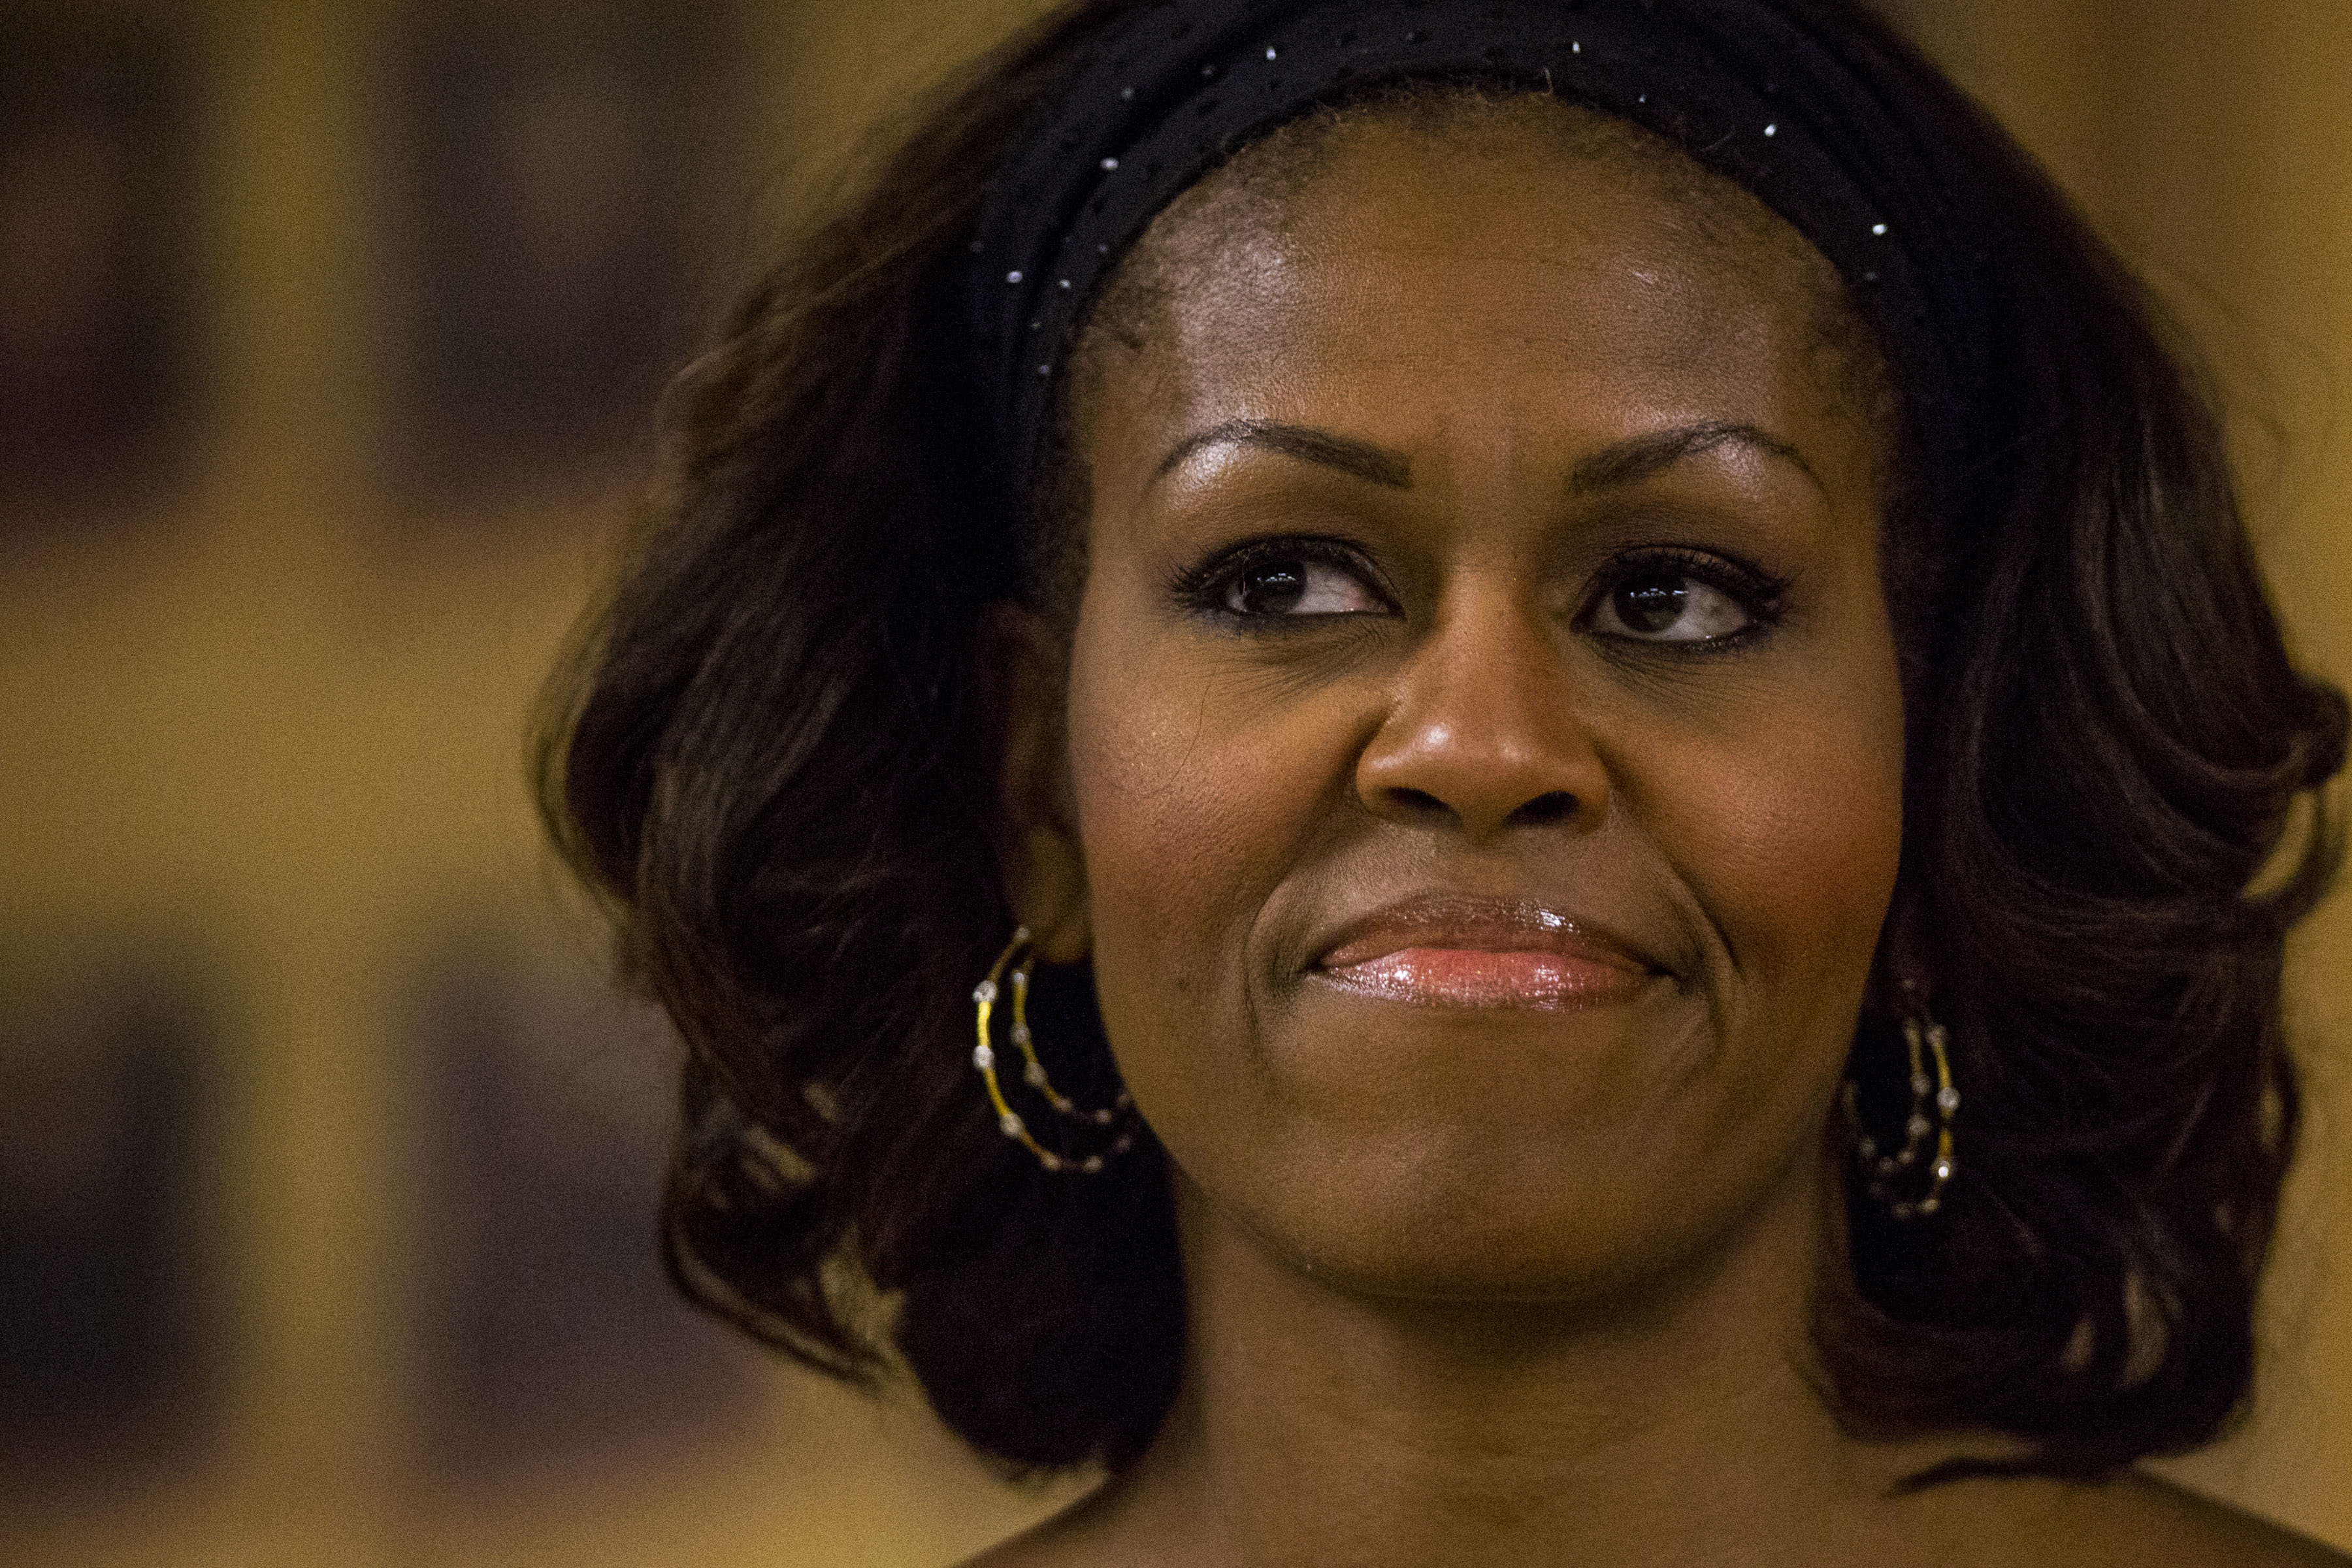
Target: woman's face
1483	742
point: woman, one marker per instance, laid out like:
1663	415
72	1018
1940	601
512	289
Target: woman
1588	700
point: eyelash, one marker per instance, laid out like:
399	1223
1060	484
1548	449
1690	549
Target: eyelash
1201	589
1758	592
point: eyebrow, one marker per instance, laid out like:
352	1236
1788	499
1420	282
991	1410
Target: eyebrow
1627	462
1636	458
1361	458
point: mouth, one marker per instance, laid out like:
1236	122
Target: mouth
1479	952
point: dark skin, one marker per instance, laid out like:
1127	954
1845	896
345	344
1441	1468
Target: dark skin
1489	526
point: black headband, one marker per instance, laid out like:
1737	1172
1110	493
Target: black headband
1807	115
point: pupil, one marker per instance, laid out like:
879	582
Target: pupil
1651	607
1270	590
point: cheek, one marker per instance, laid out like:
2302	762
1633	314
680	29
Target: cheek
1188	813
1791	851
1806	868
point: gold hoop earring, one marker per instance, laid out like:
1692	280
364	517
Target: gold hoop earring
1017	954
1923	1038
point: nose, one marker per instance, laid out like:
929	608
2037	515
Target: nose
1482	734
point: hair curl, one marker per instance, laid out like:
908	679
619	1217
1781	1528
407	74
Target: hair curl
772	757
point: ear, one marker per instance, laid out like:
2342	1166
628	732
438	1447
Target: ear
1037	846
1899	974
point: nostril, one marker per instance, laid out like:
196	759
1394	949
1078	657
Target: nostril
1553	806
1420	801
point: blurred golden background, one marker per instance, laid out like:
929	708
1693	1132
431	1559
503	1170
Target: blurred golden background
328	338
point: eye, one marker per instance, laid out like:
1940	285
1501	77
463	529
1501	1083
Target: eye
1296	587
1678	599
1273	580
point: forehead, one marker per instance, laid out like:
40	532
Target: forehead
1500	254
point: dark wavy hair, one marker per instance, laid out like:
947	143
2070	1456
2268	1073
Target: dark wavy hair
772	755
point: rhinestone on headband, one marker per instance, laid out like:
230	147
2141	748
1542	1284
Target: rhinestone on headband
1168	91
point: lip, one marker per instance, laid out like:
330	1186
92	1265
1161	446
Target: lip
1451	951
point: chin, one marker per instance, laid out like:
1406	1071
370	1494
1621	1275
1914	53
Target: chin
1441	1215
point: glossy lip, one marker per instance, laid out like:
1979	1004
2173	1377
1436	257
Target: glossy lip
1449	951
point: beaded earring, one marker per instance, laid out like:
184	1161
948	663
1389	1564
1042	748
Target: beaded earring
1923	1038
1019	956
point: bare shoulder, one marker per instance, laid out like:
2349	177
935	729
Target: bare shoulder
1039	1547
2132	1522
2151	1523
1020	1551
1080	1534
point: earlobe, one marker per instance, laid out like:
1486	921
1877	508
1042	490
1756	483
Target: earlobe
1039	856
1049	895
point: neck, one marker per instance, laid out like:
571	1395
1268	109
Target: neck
1676	1419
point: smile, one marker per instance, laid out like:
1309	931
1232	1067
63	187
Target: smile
1456	952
